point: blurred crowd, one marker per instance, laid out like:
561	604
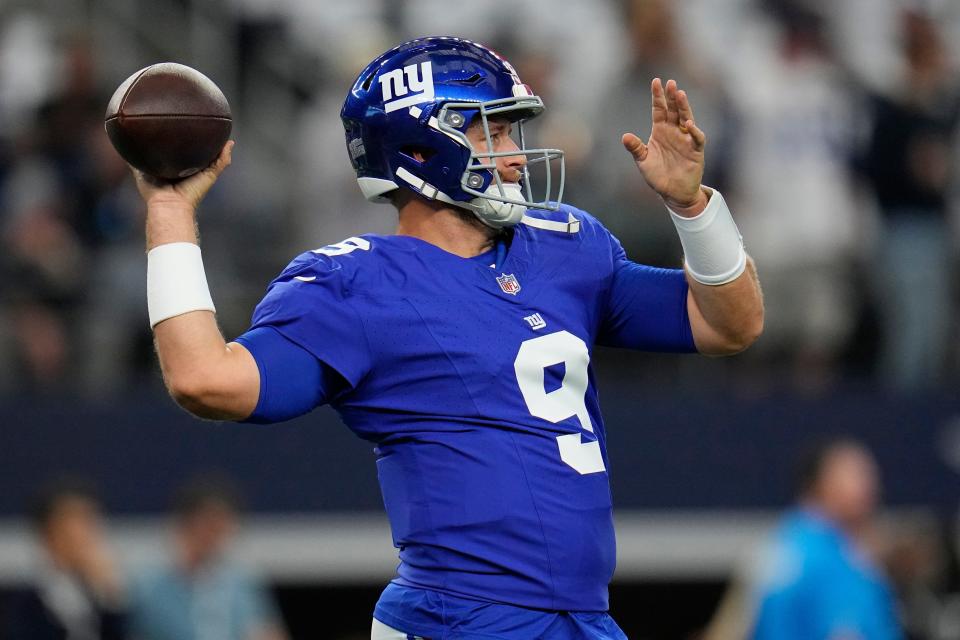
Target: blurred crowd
832	132
80	592
833	566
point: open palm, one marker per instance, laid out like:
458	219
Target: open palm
671	161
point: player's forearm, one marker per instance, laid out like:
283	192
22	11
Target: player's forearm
203	374
726	319
170	221
193	359
724	302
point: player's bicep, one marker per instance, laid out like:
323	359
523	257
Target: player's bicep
647	309
238	382
292	381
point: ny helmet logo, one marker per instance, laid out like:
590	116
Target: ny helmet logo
398	83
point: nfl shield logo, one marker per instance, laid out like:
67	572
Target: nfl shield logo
508	282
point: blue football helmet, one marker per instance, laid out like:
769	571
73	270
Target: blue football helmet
421	97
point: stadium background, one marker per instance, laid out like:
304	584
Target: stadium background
701	449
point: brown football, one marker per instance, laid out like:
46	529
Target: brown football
168	120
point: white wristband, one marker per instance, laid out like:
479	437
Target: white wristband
712	245
176	283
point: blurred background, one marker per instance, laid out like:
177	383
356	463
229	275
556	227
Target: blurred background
832	133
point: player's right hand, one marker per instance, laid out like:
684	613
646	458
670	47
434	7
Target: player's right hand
186	193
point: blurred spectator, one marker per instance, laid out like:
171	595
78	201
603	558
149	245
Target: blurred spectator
114	332
73	243
611	186
42	267
817	579
582	38
917	562
44	234
201	594
909	164
77	593
792	184
27	62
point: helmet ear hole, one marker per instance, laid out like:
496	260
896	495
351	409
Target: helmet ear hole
474	79
418	153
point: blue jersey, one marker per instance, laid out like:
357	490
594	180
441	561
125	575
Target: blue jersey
422	613
475	384
815	584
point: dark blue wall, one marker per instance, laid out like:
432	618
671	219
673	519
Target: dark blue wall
667	450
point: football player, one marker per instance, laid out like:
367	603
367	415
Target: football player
461	345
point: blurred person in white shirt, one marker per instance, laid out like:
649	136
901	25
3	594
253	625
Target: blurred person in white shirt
658	45
794	143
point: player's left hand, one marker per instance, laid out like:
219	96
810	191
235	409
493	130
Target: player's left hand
672	159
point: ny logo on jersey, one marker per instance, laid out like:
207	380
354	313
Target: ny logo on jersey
536	321
508	282
400	82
